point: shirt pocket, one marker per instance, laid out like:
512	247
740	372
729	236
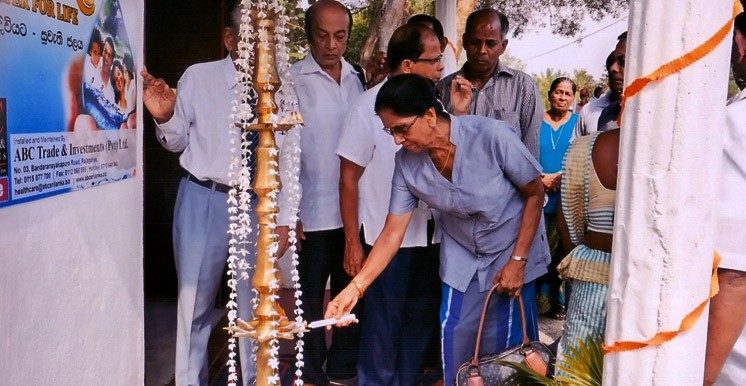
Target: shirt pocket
512	117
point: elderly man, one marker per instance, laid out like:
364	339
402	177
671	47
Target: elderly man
407	293
198	127
326	85
484	86
727	311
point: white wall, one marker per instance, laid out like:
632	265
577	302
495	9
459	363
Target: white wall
71	289
71	279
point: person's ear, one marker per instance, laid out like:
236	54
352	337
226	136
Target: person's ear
228	38
739	40
431	116
406	66
443	44
505	44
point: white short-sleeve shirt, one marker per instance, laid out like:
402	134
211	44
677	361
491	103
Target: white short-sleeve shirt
731	220
323	104
364	143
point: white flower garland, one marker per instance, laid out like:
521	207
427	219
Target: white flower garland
290	161
240	178
239	199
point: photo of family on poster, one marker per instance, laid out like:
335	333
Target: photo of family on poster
109	81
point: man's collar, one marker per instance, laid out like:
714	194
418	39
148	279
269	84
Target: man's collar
501	69
309	65
230	72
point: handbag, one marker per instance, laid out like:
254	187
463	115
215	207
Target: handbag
485	371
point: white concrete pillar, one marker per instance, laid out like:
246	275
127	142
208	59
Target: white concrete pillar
663	234
447	14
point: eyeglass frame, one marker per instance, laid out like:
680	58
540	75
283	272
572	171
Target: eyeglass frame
436	60
391	131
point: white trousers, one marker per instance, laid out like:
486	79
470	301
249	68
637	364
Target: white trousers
201	239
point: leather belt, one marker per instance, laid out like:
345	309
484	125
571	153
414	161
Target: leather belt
209	184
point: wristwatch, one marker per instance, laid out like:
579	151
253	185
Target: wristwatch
519	258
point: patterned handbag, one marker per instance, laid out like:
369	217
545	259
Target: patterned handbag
484	371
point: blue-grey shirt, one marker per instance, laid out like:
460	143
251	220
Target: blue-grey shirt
481	210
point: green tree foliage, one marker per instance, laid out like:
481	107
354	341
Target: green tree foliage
565	16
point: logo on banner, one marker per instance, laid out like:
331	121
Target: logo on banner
87	7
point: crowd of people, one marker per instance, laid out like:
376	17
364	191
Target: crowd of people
421	190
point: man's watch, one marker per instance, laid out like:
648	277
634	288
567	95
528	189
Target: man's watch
519	258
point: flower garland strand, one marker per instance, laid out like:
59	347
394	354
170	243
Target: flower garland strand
240	179
290	161
239	197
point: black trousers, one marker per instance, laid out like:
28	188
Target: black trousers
401	317
322	258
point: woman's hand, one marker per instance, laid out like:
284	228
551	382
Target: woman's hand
556	181
551	182
510	278
342	305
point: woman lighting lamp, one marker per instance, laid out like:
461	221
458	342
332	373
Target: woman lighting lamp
487	188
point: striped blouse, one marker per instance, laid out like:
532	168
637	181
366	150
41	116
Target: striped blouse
511	96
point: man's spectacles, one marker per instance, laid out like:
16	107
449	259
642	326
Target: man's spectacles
401	129
431	61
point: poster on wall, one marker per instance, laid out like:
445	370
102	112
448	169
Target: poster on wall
68	95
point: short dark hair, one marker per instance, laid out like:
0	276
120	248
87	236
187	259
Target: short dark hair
406	43
557	82
95	38
597	91
609	61
229	17
408	95
422	18
311	11
504	24
740	22
622	36
110	42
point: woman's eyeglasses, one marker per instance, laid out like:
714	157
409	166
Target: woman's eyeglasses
401	129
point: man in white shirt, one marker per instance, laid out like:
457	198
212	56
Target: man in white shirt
407	292
325	85
592	111
728	307
196	122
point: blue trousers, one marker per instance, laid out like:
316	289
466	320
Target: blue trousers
459	318
400	317
201	250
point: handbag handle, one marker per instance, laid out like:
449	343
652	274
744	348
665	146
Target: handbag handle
475	360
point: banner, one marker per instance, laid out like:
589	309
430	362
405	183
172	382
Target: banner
68	95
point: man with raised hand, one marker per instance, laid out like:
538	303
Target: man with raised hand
486	87
196	122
